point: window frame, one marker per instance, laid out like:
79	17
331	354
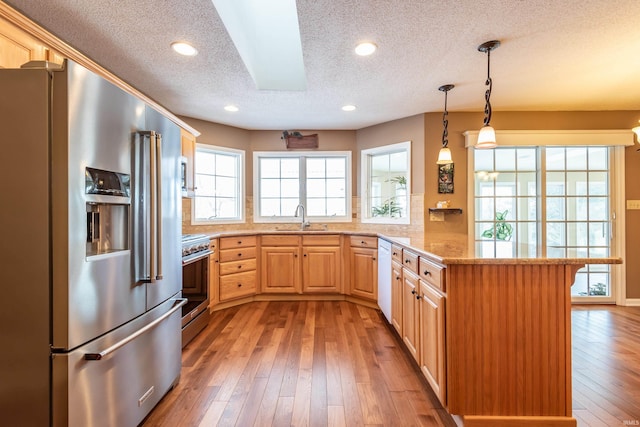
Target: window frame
365	188
241	190
301	155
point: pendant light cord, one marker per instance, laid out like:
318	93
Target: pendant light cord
445	123
487	94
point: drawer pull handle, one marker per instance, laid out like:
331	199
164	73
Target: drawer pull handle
427	272
413	291
239	242
418	297
240	254
362	242
407	261
395	253
240	266
239	285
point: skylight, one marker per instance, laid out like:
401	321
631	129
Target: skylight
267	36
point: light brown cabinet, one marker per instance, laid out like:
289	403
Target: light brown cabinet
280	264
188	142
363	267
411	313
321	264
397	284
237	267
214	274
432	336
17	47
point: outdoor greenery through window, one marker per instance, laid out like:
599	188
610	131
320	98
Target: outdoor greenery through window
386	176
546	201
320	181
219	193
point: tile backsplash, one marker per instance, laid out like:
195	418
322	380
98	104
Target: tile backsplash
416	225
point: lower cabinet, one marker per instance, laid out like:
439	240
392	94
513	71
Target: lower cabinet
432	336
280	269
364	267
397	284
410	312
321	269
237	267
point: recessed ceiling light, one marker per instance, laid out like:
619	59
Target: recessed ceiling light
348	108
184	48
366	48
231	108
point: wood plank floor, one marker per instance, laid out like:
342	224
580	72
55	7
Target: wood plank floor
307	363
606	365
330	363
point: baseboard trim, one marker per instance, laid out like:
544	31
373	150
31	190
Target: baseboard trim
632	302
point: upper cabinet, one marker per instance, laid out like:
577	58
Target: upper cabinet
188	171
17	47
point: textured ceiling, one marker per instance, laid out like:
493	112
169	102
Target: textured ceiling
555	55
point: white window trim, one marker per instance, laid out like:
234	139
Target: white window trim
241	185
365	188
615	138
297	154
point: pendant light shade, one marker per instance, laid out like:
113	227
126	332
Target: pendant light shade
486	138
487	135
444	157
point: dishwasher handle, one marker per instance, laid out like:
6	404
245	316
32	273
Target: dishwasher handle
100	355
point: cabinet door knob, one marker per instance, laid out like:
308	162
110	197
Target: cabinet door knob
413	291
397	277
240	266
239	285
417	296
373	258
239	242
395	253
240	254
305	255
427	272
407	261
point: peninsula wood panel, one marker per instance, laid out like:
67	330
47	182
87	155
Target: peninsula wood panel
509	342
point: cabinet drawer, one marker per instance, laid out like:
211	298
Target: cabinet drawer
432	274
396	253
364	242
231	267
237	254
280	240
237	285
410	260
321	240
237	242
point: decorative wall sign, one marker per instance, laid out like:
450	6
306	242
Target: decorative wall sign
445	178
295	140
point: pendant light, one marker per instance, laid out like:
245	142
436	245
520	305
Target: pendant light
487	135
444	157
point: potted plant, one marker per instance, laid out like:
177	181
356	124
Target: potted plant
501	230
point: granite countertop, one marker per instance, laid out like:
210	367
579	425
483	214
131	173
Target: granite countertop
444	248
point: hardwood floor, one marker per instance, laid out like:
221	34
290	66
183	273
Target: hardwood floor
330	363
606	365
308	363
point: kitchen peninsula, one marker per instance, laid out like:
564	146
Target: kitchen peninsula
492	336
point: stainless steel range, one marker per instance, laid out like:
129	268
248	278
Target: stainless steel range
195	284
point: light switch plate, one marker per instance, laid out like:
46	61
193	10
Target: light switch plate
633	204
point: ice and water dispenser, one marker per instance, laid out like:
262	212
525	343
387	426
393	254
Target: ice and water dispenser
108	204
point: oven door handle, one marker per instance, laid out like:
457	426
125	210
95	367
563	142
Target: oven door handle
200	256
107	351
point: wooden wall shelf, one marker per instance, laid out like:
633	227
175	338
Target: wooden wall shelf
446	210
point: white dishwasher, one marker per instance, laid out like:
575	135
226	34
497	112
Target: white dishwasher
384	278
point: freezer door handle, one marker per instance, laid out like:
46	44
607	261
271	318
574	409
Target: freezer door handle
159	205
153	198
179	302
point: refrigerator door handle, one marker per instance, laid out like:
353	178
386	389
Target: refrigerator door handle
153	199
179	302
158	206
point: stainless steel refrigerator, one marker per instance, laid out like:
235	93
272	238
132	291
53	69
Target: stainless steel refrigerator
90	249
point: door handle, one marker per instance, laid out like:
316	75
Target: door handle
107	351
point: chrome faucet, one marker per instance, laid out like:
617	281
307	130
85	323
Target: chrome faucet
304	223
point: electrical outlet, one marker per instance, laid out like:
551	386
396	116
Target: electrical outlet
633	204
